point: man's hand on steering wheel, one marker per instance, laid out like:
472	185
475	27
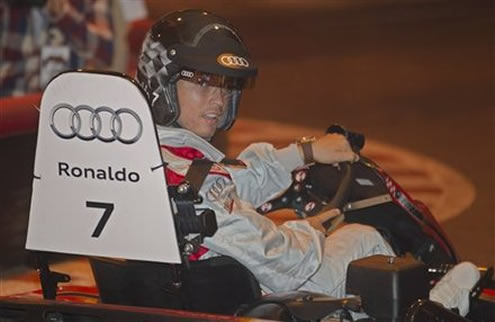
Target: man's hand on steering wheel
317	221
325	151
330	149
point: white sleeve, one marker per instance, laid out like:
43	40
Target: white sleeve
268	172
281	257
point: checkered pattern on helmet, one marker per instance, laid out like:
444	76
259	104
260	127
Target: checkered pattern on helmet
153	64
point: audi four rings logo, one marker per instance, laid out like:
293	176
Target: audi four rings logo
232	61
187	73
92	126
216	189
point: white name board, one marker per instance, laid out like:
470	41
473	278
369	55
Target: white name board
99	185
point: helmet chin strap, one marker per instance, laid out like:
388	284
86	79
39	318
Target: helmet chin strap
172	108
175	100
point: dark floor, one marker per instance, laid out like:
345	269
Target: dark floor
418	74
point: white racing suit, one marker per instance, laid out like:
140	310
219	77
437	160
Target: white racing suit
292	256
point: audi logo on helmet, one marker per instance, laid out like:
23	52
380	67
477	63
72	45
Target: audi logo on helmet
92	126
232	61
187	73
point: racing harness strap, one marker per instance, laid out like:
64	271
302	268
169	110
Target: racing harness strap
185	195
218	284
197	172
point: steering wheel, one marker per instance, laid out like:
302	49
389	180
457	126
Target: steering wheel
342	194
310	192
319	187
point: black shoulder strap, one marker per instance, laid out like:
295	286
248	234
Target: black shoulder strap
197	172
185	195
233	163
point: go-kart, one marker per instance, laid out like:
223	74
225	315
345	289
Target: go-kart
381	288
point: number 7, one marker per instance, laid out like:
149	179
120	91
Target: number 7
106	215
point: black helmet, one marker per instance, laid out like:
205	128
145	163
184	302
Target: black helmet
187	42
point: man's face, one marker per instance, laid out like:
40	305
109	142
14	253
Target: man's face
202	107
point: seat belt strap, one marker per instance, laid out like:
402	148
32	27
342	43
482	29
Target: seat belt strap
197	172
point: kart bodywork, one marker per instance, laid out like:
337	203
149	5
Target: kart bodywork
387	289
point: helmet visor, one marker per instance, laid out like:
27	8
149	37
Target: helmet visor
208	79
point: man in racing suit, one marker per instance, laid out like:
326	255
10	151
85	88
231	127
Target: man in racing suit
291	256
193	67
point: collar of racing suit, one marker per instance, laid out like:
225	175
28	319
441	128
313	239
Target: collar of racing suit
179	137
179	163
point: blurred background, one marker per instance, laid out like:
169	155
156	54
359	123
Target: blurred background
414	74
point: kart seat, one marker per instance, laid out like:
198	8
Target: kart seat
88	195
216	285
